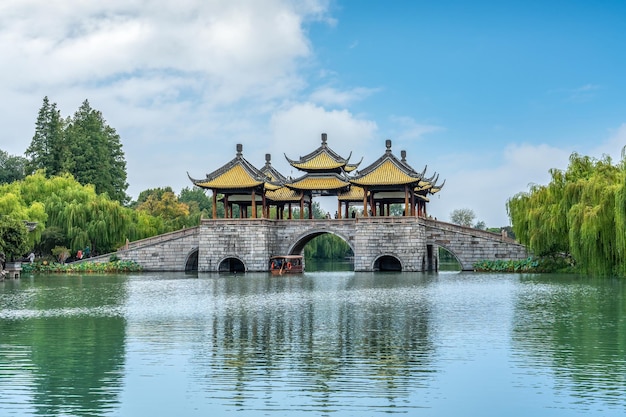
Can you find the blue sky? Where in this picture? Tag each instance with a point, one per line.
(488, 94)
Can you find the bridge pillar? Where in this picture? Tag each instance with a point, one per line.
(400, 237)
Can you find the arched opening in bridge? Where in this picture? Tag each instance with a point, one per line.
(324, 251)
(232, 265)
(191, 265)
(387, 263)
(447, 260)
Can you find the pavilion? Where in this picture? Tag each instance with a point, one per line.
(387, 181)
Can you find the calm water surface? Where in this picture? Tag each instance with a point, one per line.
(321, 344)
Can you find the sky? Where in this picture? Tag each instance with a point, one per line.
(489, 95)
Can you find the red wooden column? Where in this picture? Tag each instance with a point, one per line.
(365, 202)
(253, 204)
(214, 203)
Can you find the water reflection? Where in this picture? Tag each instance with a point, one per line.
(327, 340)
(576, 328)
(56, 356)
(325, 343)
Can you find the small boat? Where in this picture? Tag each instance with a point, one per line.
(286, 264)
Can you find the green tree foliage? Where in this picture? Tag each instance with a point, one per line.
(47, 149)
(581, 213)
(13, 238)
(84, 146)
(163, 203)
(462, 217)
(12, 168)
(327, 246)
(67, 213)
(95, 153)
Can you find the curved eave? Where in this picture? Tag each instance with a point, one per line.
(352, 167)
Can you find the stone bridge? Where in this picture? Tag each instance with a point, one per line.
(378, 243)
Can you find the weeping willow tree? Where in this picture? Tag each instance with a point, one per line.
(75, 214)
(327, 246)
(580, 213)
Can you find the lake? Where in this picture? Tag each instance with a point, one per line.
(321, 344)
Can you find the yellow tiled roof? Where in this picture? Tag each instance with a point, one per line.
(320, 162)
(283, 194)
(272, 187)
(386, 174)
(236, 177)
(318, 183)
(355, 193)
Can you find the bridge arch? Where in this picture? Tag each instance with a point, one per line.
(191, 261)
(436, 246)
(301, 241)
(387, 262)
(231, 263)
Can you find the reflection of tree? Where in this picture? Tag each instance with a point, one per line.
(579, 330)
(79, 377)
(74, 360)
(335, 345)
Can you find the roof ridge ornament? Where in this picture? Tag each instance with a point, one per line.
(239, 150)
(324, 139)
(388, 145)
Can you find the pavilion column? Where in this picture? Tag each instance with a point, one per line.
(265, 208)
(228, 210)
(407, 209)
(289, 206)
(413, 205)
(311, 209)
(364, 201)
(214, 203)
(253, 204)
(347, 209)
(372, 205)
(338, 209)
(302, 207)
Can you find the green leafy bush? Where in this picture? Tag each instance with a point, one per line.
(82, 267)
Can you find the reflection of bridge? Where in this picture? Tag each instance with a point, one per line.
(378, 243)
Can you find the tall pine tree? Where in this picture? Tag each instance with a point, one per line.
(47, 149)
(96, 153)
(84, 146)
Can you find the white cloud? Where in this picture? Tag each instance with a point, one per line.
(614, 146)
(173, 79)
(296, 130)
(474, 182)
(331, 96)
(407, 129)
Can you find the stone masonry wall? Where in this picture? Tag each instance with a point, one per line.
(400, 237)
(168, 252)
(253, 241)
(471, 245)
